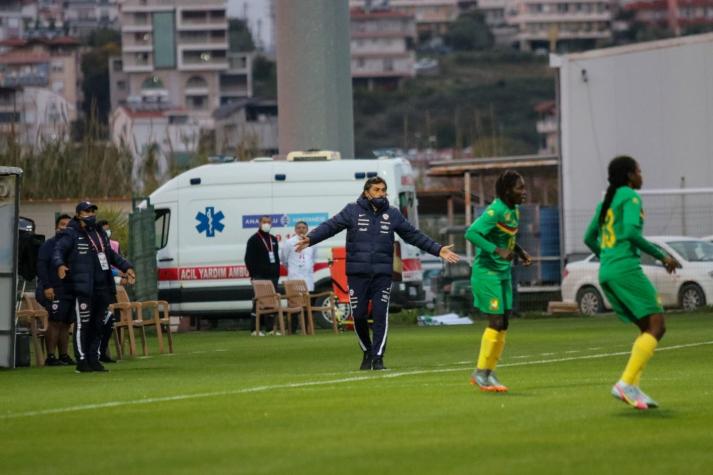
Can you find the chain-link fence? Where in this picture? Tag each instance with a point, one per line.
(142, 250)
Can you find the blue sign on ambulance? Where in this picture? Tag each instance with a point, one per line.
(285, 220)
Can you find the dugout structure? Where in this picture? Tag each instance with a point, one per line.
(10, 179)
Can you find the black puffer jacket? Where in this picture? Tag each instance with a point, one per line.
(47, 277)
(75, 250)
(370, 236)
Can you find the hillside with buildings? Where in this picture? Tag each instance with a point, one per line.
(171, 82)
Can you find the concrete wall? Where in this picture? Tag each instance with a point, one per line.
(314, 87)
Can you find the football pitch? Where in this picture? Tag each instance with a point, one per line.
(229, 403)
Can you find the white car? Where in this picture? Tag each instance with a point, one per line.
(690, 287)
(432, 266)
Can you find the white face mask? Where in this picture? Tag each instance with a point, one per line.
(108, 233)
(265, 227)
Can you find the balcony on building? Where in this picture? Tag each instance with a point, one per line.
(137, 42)
(135, 22)
(137, 62)
(240, 63)
(203, 38)
(234, 85)
(193, 18)
(197, 60)
(20, 69)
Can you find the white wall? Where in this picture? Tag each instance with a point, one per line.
(653, 101)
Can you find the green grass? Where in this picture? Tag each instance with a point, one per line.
(228, 403)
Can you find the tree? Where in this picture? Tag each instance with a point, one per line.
(469, 32)
(264, 77)
(239, 37)
(104, 43)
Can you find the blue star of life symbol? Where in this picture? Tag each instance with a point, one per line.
(210, 221)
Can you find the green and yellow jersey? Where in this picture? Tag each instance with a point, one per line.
(619, 240)
(495, 228)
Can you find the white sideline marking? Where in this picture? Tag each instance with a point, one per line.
(256, 389)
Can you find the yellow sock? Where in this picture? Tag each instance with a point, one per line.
(637, 378)
(487, 348)
(641, 353)
(498, 350)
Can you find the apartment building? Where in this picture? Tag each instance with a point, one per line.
(174, 51)
(382, 43)
(499, 15)
(11, 19)
(432, 17)
(34, 115)
(676, 15)
(562, 24)
(51, 63)
(246, 124)
(84, 16)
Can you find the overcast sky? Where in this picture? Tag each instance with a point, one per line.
(257, 13)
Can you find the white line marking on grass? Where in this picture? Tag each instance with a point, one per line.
(257, 389)
(572, 351)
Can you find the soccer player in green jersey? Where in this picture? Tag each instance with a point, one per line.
(615, 235)
(494, 235)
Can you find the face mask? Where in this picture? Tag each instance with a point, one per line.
(90, 221)
(379, 202)
(108, 233)
(265, 227)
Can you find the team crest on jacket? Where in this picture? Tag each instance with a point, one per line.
(385, 216)
(82, 306)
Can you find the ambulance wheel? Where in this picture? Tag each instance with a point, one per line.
(324, 319)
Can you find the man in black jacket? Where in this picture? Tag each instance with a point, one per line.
(51, 295)
(262, 258)
(83, 258)
(371, 224)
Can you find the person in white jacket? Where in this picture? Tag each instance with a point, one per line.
(300, 265)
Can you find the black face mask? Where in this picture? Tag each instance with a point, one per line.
(379, 202)
(90, 221)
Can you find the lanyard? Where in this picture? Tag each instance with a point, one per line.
(96, 248)
(269, 249)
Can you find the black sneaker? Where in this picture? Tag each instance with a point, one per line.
(83, 367)
(67, 360)
(52, 361)
(106, 359)
(378, 363)
(366, 361)
(98, 367)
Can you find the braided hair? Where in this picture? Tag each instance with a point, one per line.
(619, 169)
(506, 182)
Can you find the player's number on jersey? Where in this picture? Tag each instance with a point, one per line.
(608, 235)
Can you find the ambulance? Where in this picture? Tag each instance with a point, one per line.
(205, 216)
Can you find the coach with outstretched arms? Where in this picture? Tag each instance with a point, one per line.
(371, 223)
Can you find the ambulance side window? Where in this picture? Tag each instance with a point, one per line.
(163, 219)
